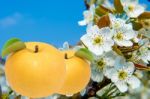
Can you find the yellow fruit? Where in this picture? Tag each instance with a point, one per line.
(77, 74)
(36, 71)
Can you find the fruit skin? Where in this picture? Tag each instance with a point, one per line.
(78, 74)
(38, 74)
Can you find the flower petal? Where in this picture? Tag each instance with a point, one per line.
(97, 76)
(66, 45)
(108, 45)
(119, 62)
(129, 33)
(106, 32)
(93, 30)
(129, 68)
(108, 72)
(86, 40)
(92, 8)
(125, 43)
(114, 76)
(110, 58)
(122, 86)
(96, 50)
(82, 23)
(134, 82)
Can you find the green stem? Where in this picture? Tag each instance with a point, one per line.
(112, 92)
(109, 90)
(117, 95)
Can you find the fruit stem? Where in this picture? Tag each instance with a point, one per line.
(36, 49)
(66, 56)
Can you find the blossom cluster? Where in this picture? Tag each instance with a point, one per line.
(118, 36)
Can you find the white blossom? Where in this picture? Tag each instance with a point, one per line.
(144, 52)
(132, 8)
(98, 40)
(101, 65)
(123, 33)
(116, 23)
(122, 75)
(88, 16)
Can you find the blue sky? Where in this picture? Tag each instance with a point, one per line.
(51, 21)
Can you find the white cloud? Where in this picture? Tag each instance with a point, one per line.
(10, 20)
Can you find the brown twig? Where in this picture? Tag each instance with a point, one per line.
(0, 92)
(86, 4)
(93, 87)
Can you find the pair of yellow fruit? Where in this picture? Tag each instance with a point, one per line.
(41, 70)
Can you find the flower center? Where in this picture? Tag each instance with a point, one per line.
(122, 75)
(101, 64)
(98, 40)
(144, 50)
(116, 25)
(119, 36)
(131, 8)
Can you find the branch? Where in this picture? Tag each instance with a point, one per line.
(0, 92)
(86, 4)
(93, 87)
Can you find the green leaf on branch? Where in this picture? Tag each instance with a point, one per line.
(85, 54)
(118, 6)
(12, 45)
(101, 10)
(144, 15)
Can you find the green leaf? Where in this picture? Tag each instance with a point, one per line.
(11, 41)
(85, 54)
(118, 6)
(144, 15)
(12, 45)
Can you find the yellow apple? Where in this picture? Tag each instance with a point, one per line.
(77, 74)
(36, 71)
